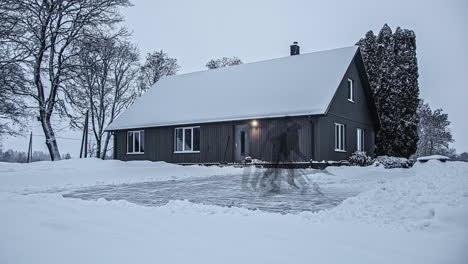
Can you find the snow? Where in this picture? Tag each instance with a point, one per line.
(290, 86)
(393, 162)
(433, 157)
(416, 215)
(74, 173)
(416, 202)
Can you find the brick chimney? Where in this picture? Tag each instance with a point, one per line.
(295, 49)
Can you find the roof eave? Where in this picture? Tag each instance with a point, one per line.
(107, 129)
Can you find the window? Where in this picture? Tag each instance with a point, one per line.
(187, 139)
(350, 90)
(360, 139)
(340, 137)
(136, 142)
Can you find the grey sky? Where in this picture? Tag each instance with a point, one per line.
(196, 31)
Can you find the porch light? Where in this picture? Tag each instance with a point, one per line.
(254, 123)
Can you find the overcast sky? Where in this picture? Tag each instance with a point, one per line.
(196, 31)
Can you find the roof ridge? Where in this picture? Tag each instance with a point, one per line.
(292, 85)
(253, 62)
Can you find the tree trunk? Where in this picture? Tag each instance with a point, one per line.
(98, 146)
(106, 144)
(51, 142)
(431, 148)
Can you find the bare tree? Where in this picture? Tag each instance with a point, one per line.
(104, 84)
(223, 62)
(12, 108)
(123, 76)
(49, 28)
(434, 133)
(157, 65)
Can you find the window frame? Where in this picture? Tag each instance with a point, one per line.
(351, 90)
(340, 137)
(139, 132)
(361, 140)
(183, 139)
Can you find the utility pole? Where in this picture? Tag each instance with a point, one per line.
(84, 139)
(29, 159)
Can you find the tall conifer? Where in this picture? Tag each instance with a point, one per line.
(406, 86)
(391, 65)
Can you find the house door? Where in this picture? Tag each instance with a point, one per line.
(242, 142)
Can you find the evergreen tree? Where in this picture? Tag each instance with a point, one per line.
(383, 94)
(406, 86)
(391, 65)
(368, 47)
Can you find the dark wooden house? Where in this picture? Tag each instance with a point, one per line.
(321, 100)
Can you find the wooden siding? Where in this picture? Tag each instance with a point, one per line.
(217, 141)
(261, 137)
(326, 144)
(353, 115)
(159, 145)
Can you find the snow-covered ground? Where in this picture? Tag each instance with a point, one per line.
(68, 174)
(417, 215)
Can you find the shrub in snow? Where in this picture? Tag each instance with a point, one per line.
(393, 162)
(360, 158)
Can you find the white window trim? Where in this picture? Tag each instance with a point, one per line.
(342, 144)
(360, 133)
(183, 140)
(139, 136)
(351, 88)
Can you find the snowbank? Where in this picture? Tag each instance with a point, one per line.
(433, 157)
(74, 173)
(424, 200)
(46, 228)
(393, 162)
(416, 215)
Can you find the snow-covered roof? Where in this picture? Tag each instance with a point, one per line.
(290, 86)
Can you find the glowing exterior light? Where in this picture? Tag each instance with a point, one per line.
(254, 123)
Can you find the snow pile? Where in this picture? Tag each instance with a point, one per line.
(393, 162)
(433, 157)
(436, 195)
(75, 173)
(357, 179)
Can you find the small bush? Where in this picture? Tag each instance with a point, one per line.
(360, 158)
(393, 162)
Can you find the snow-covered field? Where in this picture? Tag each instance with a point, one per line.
(417, 215)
